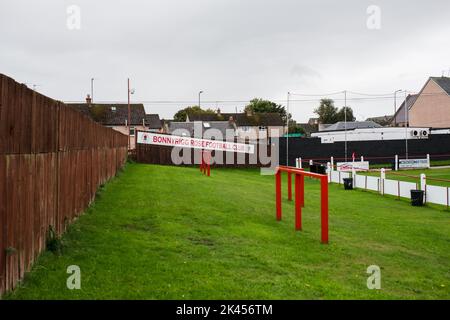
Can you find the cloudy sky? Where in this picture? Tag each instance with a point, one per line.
(233, 50)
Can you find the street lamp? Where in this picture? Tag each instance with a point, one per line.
(345, 123)
(130, 92)
(199, 93)
(92, 89)
(395, 106)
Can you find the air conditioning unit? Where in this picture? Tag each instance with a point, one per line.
(415, 133)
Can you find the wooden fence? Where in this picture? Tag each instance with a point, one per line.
(52, 160)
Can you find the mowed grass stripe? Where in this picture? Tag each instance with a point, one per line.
(159, 232)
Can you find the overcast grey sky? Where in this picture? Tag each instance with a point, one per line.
(232, 50)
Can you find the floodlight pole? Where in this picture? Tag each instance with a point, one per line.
(129, 116)
(395, 106)
(406, 124)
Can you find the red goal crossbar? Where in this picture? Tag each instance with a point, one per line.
(205, 166)
(299, 175)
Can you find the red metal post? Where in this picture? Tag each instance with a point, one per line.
(209, 164)
(289, 186)
(324, 208)
(278, 193)
(302, 190)
(298, 204)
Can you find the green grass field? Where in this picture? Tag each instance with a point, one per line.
(170, 233)
(414, 176)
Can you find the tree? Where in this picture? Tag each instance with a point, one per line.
(181, 115)
(341, 114)
(326, 111)
(258, 105)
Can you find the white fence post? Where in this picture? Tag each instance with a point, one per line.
(329, 172)
(332, 163)
(396, 163)
(423, 186)
(362, 158)
(310, 162)
(382, 177)
(300, 163)
(428, 160)
(296, 162)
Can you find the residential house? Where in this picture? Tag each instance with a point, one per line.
(351, 125)
(247, 125)
(432, 106)
(400, 117)
(310, 127)
(219, 130)
(115, 116)
(381, 120)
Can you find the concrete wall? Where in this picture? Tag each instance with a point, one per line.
(432, 108)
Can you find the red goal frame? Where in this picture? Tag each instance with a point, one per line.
(300, 175)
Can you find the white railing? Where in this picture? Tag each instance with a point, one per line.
(401, 189)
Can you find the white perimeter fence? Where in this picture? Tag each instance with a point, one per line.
(401, 189)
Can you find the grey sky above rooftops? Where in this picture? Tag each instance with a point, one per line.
(233, 50)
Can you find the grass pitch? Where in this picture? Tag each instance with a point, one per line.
(160, 232)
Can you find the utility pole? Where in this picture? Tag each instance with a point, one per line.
(345, 123)
(395, 106)
(129, 116)
(287, 128)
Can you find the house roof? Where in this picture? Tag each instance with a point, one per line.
(112, 114)
(309, 128)
(242, 119)
(188, 126)
(152, 121)
(341, 125)
(381, 120)
(221, 126)
(399, 116)
(443, 82)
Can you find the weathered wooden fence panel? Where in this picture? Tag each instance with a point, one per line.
(52, 160)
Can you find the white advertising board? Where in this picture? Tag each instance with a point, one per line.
(357, 165)
(413, 163)
(195, 143)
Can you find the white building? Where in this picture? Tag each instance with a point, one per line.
(371, 134)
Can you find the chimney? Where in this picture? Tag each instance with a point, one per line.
(230, 119)
(88, 99)
(218, 112)
(249, 112)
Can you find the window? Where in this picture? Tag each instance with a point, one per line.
(206, 125)
(245, 128)
(113, 109)
(132, 131)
